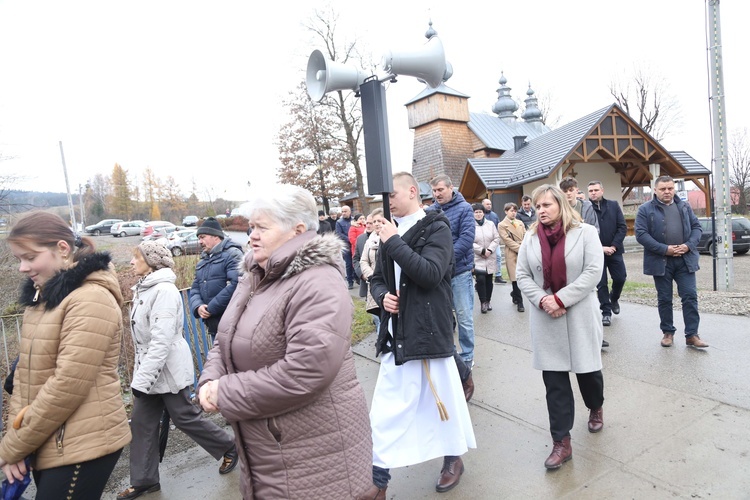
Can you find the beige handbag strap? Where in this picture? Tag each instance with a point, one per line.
(441, 407)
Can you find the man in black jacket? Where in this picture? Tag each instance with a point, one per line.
(612, 231)
(527, 214)
(412, 286)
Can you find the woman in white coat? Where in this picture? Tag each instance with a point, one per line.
(486, 241)
(163, 373)
(559, 265)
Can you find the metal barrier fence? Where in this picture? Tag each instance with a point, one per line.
(194, 332)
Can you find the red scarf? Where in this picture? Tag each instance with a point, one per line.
(552, 240)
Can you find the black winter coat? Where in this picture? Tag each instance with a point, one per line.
(423, 329)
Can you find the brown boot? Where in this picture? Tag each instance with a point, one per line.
(596, 420)
(695, 341)
(374, 493)
(561, 453)
(666, 341)
(453, 467)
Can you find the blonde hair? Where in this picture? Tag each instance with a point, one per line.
(568, 216)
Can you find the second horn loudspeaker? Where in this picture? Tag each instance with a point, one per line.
(426, 63)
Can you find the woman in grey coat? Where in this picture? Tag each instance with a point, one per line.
(559, 265)
(163, 373)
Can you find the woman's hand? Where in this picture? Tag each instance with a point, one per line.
(551, 307)
(14, 471)
(209, 396)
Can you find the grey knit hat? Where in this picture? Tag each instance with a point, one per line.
(210, 226)
(156, 255)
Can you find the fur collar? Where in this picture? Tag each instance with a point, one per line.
(64, 282)
(298, 254)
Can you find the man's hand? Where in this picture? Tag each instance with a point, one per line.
(390, 301)
(677, 250)
(203, 312)
(609, 250)
(388, 229)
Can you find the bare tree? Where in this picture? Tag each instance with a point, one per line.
(739, 167)
(310, 153)
(344, 103)
(645, 96)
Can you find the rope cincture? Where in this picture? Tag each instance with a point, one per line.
(442, 410)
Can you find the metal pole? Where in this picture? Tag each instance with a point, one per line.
(80, 201)
(67, 188)
(720, 162)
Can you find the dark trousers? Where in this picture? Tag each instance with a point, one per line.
(144, 424)
(349, 267)
(676, 270)
(516, 293)
(484, 286)
(560, 401)
(84, 481)
(616, 266)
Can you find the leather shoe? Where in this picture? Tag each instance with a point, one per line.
(561, 453)
(499, 279)
(615, 307)
(484, 307)
(605, 343)
(468, 386)
(515, 300)
(667, 341)
(229, 462)
(450, 475)
(136, 491)
(596, 420)
(374, 493)
(489, 305)
(695, 341)
(606, 320)
(520, 307)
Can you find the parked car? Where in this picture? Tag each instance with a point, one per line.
(103, 226)
(162, 234)
(190, 220)
(127, 228)
(155, 224)
(188, 245)
(740, 236)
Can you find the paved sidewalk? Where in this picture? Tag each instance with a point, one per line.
(676, 419)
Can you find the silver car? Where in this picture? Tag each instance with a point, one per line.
(127, 228)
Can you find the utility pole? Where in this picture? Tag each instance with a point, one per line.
(80, 201)
(67, 188)
(723, 227)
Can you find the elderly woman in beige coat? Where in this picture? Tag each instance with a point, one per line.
(512, 232)
(559, 265)
(282, 370)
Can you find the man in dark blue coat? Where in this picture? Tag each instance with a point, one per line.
(461, 218)
(342, 231)
(669, 232)
(612, 232)
(216, 275)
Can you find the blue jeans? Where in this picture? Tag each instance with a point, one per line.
(676, 270)
(463, 303)
(376, 322)
(349, 267)
(499, 254)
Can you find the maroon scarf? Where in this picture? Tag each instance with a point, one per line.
(552, 240)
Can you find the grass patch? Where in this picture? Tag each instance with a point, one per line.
(362, 325)
(634, 286)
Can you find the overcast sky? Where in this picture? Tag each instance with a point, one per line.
(194, 89)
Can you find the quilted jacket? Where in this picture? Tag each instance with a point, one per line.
(163, 363)
(461, 217)
(67, 369)
(215, 277)
(287, 382)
